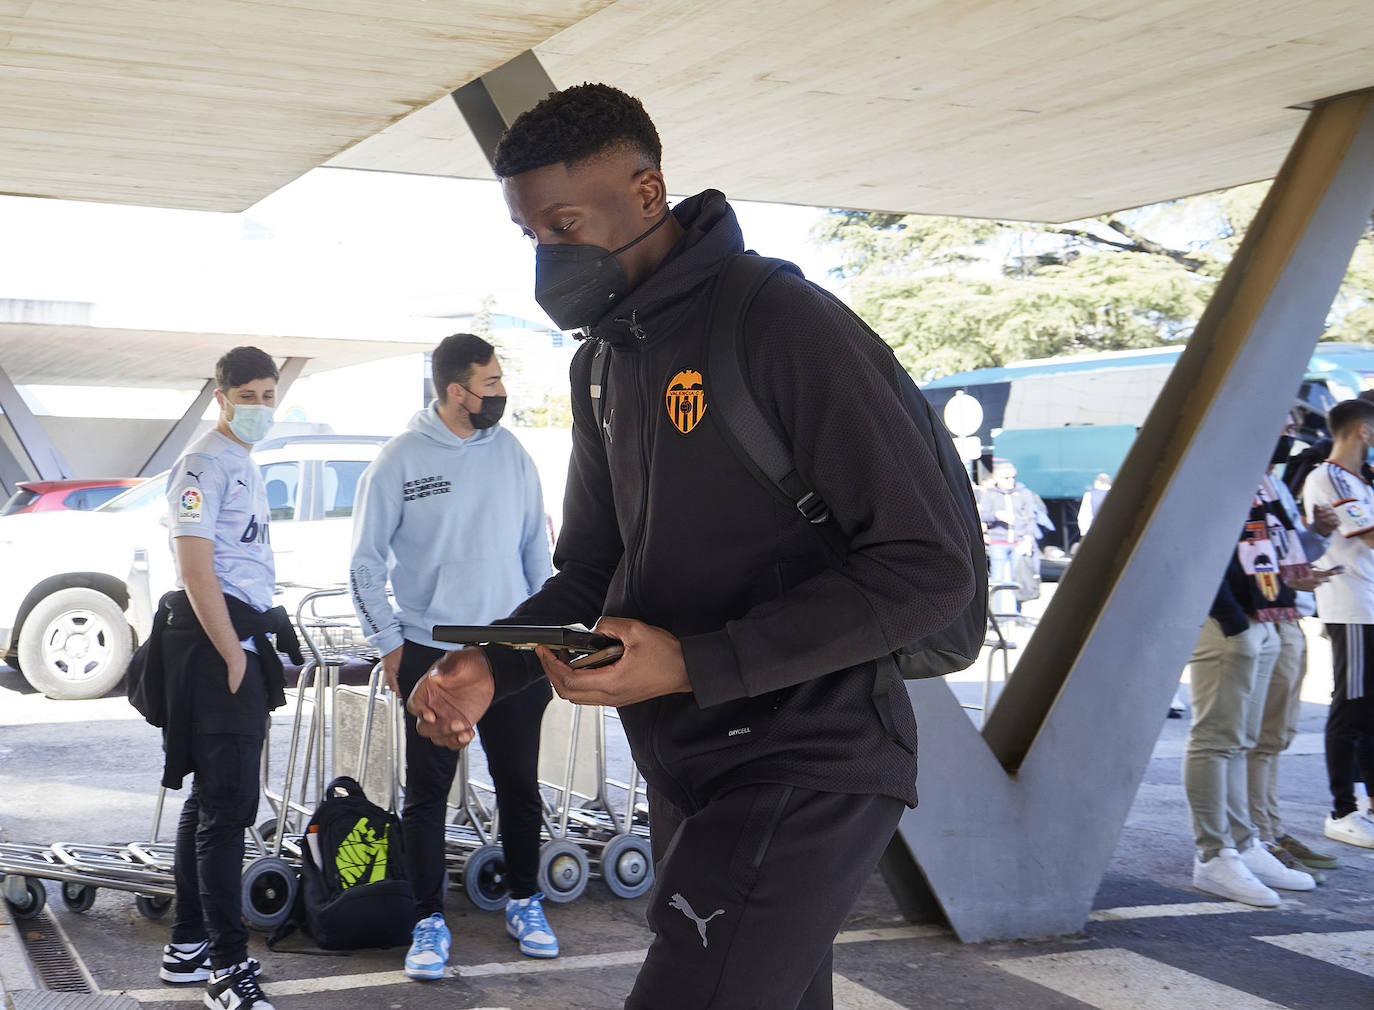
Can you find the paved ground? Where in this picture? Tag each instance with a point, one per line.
(87, 771)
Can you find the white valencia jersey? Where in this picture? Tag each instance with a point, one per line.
(1346, 598)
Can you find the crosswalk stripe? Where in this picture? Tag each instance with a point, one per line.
(529, 966)
(1116, 979)
(852, 996)
(1353, 950)
(1170, 911)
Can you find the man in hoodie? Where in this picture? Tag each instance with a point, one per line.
(755, 686)
(452, 515)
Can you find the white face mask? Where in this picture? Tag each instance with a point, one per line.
(251, 421)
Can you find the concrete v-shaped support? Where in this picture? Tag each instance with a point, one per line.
(1016, 825)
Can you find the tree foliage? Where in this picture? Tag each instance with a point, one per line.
(955, 293)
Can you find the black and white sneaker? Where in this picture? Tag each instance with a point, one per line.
(236, 988)
(190, 962)
(185, 962)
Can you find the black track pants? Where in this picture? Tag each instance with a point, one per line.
(750, 894)
(1350, 720)
(208, 865)
(510, 739)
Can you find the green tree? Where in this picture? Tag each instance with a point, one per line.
(954, 293)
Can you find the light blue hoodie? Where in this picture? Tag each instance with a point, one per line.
(457, 526)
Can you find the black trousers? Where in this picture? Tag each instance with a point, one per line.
(750, 893)
(1350, 720)
(510, 738)
(208, 861)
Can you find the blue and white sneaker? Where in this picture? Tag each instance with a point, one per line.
(429, 949)
(525, 921)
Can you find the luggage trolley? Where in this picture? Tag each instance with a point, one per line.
(588, 819)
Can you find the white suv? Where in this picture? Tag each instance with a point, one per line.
(78, 589)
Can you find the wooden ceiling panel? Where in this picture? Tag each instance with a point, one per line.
(993, 108)
(213, 104)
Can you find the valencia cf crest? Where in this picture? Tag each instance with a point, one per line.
(686, 400)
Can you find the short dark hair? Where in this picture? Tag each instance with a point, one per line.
(241, 365)
(453, 359)
(575, 125)
(1344, 416)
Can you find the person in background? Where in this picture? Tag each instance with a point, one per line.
(1010, 513)
(1283, 699)
(451, 514)
(1346, 605)
(1230, 670)
(1092, 502)
(222, 678)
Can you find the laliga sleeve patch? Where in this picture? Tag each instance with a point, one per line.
(190, 507)
(1357, 513)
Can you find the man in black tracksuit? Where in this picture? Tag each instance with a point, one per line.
(751, 687)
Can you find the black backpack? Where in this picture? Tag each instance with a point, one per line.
(353, 890)
(765, 453)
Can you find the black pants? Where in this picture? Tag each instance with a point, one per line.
(749, 896)
(208, 866)
(1350, 720)
(510, 739)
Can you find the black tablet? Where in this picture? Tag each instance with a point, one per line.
(573, 637)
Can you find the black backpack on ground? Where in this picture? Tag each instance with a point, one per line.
(353, 889)
(765, 453)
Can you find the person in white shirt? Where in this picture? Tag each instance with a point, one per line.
(1346, 605)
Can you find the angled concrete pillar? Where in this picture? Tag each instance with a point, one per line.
(34, 443)
(1017, 824)
(179, 435)
(288, 373)
(493, 101)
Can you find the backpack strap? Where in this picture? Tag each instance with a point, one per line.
(756, 441)
(601, 368)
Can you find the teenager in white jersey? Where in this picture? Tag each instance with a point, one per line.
(220, 683)
(1346, 604)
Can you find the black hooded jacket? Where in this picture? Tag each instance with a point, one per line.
(780, 638)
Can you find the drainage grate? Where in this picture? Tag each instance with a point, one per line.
(53, 964)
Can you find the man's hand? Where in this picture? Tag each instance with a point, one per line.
(451, 697)
(651, 666)
(1324, 520)
(391, 668)
(237, 665)
(1308, 584)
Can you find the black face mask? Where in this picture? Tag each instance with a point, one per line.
(490, 414)
(1282, 451)
(577, 284)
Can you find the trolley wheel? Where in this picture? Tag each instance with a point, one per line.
(563, 870)
(268, 829)
(627, 866)
(269, 891)
(151, 906)
(35, 897)
(78, 897)
(484, 878)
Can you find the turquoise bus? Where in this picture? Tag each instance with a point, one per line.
(1064, 420)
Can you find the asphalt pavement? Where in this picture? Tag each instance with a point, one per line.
(87, 772)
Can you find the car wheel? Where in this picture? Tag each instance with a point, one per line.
(75, 644)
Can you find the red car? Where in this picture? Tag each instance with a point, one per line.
(55, 495)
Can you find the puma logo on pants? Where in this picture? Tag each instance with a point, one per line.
(680, 903)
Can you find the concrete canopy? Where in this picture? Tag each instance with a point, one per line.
(39, 354)
(997, 109)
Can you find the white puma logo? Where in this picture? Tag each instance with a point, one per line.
(680, 903)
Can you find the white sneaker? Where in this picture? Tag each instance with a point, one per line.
(1226, 876)
(1269, 871)
(1353, 829)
